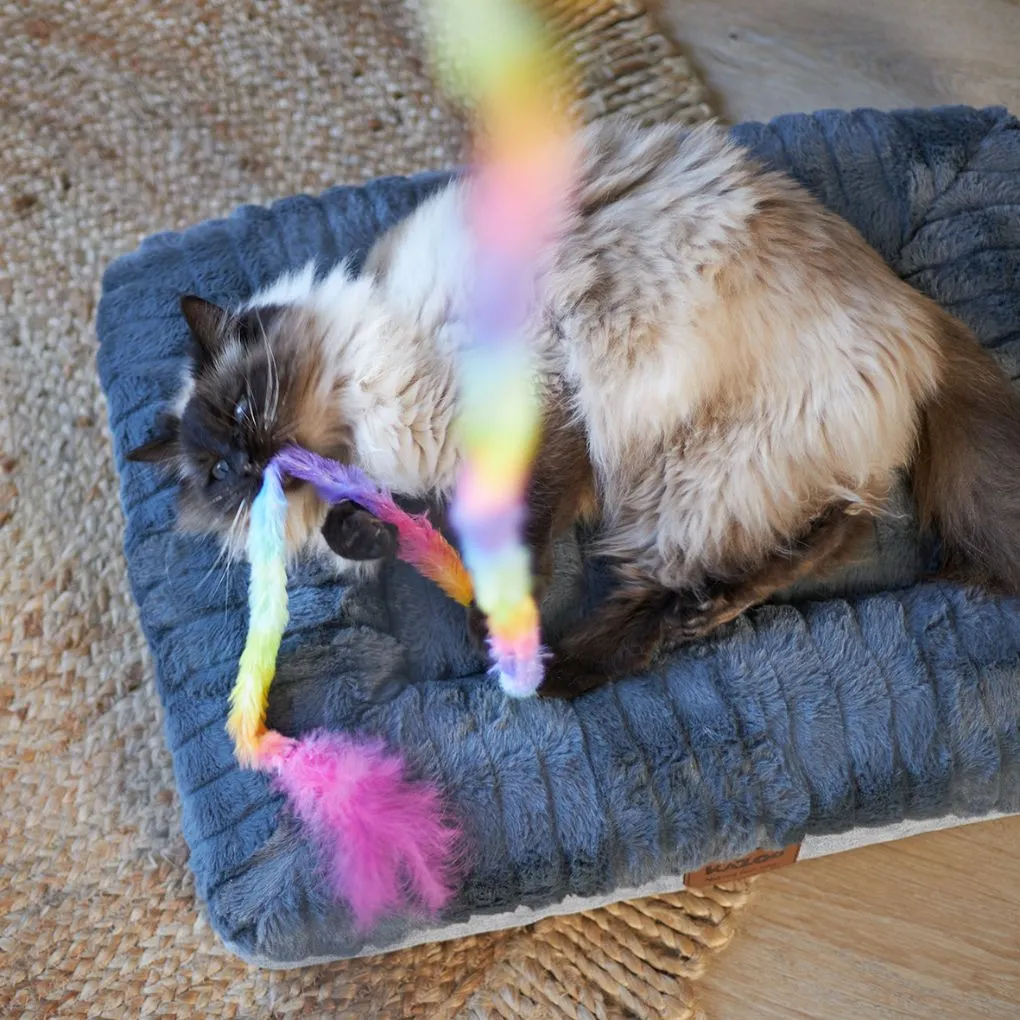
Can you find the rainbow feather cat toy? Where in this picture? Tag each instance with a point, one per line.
(382, 839)
(386, 839)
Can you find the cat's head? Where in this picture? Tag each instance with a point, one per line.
(256, 382)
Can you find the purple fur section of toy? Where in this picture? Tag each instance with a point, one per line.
(333, 481)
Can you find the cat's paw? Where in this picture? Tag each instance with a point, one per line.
(568, 678)
(355, 534)
(478, 628)
(695, 618)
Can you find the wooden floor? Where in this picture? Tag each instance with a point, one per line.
(764, 57)
(927, 927)
(930, 926)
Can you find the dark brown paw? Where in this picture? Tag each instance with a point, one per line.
(693, 619)
(355, 534)
(565, 679)
(478, 628)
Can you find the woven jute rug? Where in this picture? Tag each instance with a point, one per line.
(120, 119)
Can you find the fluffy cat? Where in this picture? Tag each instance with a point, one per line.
(732, 379)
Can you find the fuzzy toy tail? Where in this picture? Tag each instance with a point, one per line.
(500, 564)
(267, 620)
(383, 839)
(520, 674)
(516, 649)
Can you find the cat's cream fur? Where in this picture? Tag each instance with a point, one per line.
(739, 360)
(739, 357)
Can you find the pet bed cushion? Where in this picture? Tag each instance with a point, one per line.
(869, 702)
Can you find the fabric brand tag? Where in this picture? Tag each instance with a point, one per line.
(754, 863)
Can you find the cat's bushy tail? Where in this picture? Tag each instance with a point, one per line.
(967, 473)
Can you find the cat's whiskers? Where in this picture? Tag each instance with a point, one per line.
(233, 542)
(226, 556)
(220, 561)
(272, 402)
(249, 410)
(233, 533)
(250, 400)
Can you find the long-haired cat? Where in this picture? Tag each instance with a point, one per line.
(732, 379)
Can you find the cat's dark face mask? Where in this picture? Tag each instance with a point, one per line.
(248, 396)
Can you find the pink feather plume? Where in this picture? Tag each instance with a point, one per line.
(383, 839)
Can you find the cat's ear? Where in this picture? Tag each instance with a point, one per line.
(209, 325)
(163, 447)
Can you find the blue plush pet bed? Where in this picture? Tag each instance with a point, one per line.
(873, 701)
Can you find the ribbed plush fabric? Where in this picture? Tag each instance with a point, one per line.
(864, 702)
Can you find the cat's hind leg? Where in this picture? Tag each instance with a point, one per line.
(832, 540)
(619, 638)
(623, 634)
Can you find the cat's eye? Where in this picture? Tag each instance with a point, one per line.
(241, 410)
(220, 471)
